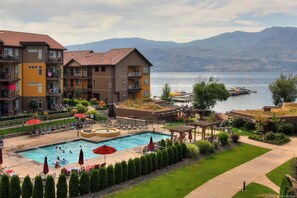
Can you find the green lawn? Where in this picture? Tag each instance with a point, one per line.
(277, 175)
(26, 128)
(173, 124)
(256, 190)
(242, 132)
(179, 183)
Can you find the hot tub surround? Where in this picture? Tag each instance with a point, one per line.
(100, 132)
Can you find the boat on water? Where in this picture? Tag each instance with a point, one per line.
(237, 91)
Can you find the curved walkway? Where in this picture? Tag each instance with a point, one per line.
(230, 182)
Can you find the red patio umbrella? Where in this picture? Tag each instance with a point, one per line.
(190, 136)
(104, 150)
(1, 157)
(81, 157)
(151, 145)
(79, 115)
(45, 166)
(33, 122)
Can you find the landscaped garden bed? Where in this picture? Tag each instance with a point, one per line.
(271, 138)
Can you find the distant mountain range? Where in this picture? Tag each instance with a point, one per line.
(272, 49)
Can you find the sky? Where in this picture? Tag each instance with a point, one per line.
(82, 21)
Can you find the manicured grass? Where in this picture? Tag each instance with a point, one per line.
(277, 175)
(179, 183)
(26, 128)
(242, 132)
(173, 124)
(256, 190)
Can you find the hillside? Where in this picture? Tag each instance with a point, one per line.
(272, 49)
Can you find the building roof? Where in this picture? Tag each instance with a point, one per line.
(88, 57)
(10, 38)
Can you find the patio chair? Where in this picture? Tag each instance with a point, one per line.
(102, 165)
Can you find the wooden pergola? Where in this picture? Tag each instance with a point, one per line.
(182, 129)
(204, 124)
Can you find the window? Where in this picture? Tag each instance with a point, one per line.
(40, 71)
(145, 82)
(145, 94)
(17, 69)
(145, 70)
(16, 53)
(77, 70)
(39, 87)
(32, 50)
(96, 69)
(103, 68)
(124, 82)
(94, 82)
(8, 51)
(78, 82)
(39, 55)
(40, 102)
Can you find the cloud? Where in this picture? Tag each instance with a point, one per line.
(80, 21)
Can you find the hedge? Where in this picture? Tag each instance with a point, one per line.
(15, 187)
(103, 178)
(27, 187)
(62, 187)
(84, 183)
(175, 154)
(180, 152)
(118, 171)
(170, 155)
(154, 162)
(73, 185)
(143, 165)
(165, 157)
(49, 187)
(160, 160)
(125, 170)
(4, 186)
(138, 168)
(184, 150)
(131, 169)
(149, 163)
(111, 175)
(94, 181)
(38, 188)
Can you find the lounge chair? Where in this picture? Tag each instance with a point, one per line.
(102, 165)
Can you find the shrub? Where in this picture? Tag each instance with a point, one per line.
(160, 160)
(118, 171)
(15, 187)
(286, 188)
(143, 165)
(111, 175)
(38, 188)
(286, 128)
(149, 163)
(163, 144)
(180, 152)
(168, 143)
(49, 187)
(27, 187)
(93, 101)
(94, 181)
(73, 185)
(62, 187)
(238, 122)
(223, 138)
(192, 150)
(137, 163)
(204, 146)
(4, 186)
(270, 136)
(85, 103)
(175, 154)
(165, 157)
(125, 170)
(103, 178)
(154, 162)
(66, 101)
(170, 155)
(81, 108)
(249, 126)
(131, 169)
(234, 137)
(184, 150)
(84, 183)
(75, 102)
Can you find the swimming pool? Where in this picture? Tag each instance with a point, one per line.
(70, 150)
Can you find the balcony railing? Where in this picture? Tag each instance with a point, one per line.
(134, 74)
(4, 76)
(54, 59)
(54, 92)
(52, 75)
(134, 88)
(78, 76)
(6, 93)
(9, 58)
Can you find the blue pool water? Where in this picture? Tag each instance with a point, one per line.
(52, 151)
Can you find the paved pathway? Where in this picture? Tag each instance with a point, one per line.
(230, 182)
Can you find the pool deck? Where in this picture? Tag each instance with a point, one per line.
(24, 166)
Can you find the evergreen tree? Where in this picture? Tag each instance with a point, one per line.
(38, 188)
(103, 178)
(73, 185)
(143, 165)
(15, 187)
(62, 187)
(131, 169)
(95, 181)
(118, 171)
(49, 187)
(137, 163)
(27, 187)
(166, 93)
(149, 163)
(111, 175)
(84, 183)
(165, 157)
(4, 186)
(160, 159)
(170, 155)
(125, 170)
(154, 162)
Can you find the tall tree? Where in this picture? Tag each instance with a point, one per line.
(284, 89)
(166, 92)
(207, 94)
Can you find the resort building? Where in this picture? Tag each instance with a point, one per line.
(30, 72)
(113, 76)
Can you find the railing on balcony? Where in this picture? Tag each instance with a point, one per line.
(5, 76)
(134, 88)
(6, 93)
(4, 57)
(51, 59)
(53, 75)
(53, 91)
(134, 74)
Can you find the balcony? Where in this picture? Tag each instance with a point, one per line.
(78, 76)
(134, 74)
(134, 88)
(7, 77)
(51, 59)
(87, 88)
(9, 58)
(7, 94)
(54, 92)
(53, 76)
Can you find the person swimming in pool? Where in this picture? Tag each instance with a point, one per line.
(70, 151)
(58, 158)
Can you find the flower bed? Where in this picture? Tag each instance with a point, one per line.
(271, 138)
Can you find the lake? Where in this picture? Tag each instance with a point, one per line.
(256, 81)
